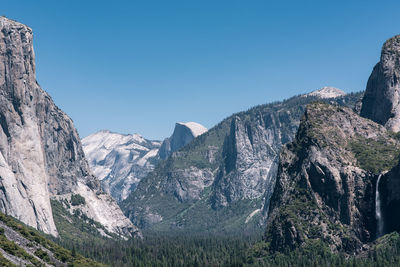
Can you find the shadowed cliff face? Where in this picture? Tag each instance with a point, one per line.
(390, 192)
(381, 101)
(41, 156)
(325, 187)
(183, 134)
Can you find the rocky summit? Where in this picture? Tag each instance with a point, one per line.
(381, 101)
(183, 134)
(41, 156)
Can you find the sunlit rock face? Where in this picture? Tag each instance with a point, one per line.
(326, 182)
(381, 101)
(183, 134)
(120, 161)
(41, 156)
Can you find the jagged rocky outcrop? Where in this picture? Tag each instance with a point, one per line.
(325, 187)
(381, 101)
(221, 180)
(120, 161)
(41, 157)
(183, 134)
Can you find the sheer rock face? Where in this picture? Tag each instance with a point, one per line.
(250, 158)
(40, 151)
(183, 134)
(381, 101)
(389, 189)
(120, 161)
(322, 191)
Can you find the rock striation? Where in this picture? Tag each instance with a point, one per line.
(325, 187)
(41, 156)
(183, 134)
(381, 101)
(120, 161)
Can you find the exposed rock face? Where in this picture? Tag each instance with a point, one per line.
(40, 151)
(381, 101)
(325, 187)
(183, 134)
(225, 175)
(390, 192)
(327, 92)
(120, 161)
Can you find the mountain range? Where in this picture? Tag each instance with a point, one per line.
(316, 173)
(120, 161)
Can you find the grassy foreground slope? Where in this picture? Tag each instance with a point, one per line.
(21, 245)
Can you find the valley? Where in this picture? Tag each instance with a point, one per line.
(313, 180)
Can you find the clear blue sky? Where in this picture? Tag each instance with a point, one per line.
(141, 66)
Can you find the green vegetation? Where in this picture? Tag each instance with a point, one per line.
(77, 200)
(375, 155)
(385, 252)
(77, 226)
(43, 255)
(37, 238)
(5, 262)
(218, 250)
(12, 248)
(168, 250)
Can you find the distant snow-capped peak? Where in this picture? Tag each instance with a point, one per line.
(327, 92)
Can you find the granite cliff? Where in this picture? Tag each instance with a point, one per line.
(326, 181)
(41, 156)
(381, 101)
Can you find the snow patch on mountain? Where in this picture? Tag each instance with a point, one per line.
(327, 92)
(120, 161)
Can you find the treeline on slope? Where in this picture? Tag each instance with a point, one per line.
(384, 252)
(78, 234)
(189, 249)
(165, 250)
(202, 250)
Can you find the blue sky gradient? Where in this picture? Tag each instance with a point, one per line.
(141, 66)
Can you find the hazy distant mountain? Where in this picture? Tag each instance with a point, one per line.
(327, 92)
(121, 161)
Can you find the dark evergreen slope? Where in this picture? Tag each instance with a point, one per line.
(222, 179)
(325, 189)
